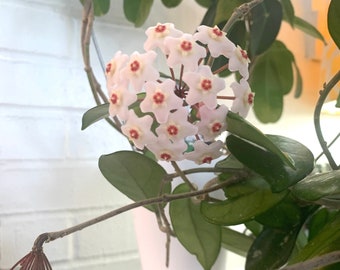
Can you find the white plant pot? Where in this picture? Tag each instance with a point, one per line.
(151, 242)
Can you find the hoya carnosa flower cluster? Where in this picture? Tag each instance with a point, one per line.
(177, 116)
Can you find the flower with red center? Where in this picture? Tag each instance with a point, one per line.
(184, 51)
(213, 122)
(216, 40)
(156, 35)
(166, 150)
(120, 98)
(140, 69)
(160, 99)
(244, 97)
(112, 71)
(239, 61)
(177, 127)
(203, 86)
(138, 129)
(204, 153)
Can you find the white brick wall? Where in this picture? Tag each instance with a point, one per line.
(49, 179)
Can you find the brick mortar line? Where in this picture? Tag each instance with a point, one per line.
(61, 212)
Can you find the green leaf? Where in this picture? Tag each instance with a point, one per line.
(100, 7)
(244, 129)
(209, 16)
(229, 162)
(318, 186)
(318, 221)
(171, 3)
(333, 21)
(198, 236)
(95, 114)
(271, 249)
(254, 227)
(274, 171)
(265, 25)
(137, 11)
(288, 12)
(247, 200)
(337, 104)
(272, 77)
(225, 8)
(286, 214)
(236, 242)
(308, 28)
(327, 240)
(133, 174)
(298, 83)
(205, 3)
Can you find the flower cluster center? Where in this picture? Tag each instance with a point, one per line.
(172, 130)
(158, 98)
(206, 84)
(134, 66)
(186, 45)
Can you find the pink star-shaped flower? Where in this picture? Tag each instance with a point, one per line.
(157, 34)
(160, 99)
(138, 130)
(239, 61)
(177, 127)
(213, 122)
(140, 69)
(244, 97)
(120, 98)
(113, 68)
(216, 40)
(166, 150)
(204, 153)
(203, 86)
(184, 51)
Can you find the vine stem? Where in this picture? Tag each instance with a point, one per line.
(237, 15)
(317, 262)
(164, 198)
(317, 112)
(86, 33)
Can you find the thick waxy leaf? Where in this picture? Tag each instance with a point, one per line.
(244, 129)
(333, 21)
(171, 3)
(318, 221)
(271, 249)
(95, 114)
(225, 8)
(272, 77)
(198, 236)
(265, 25)
(133, 174)
(209, 16)
(229, 162)
(236, 242)
(308, 28)
(205, 3)
(245, 201)
(100, 7)
(315, 187)
(298, 83)
(137, 11)
(288, 12)
(327, 240)
(286, 214)
(265, 163)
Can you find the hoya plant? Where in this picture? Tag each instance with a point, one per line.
(187, 111)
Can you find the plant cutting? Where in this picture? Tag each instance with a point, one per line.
(185, 110)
